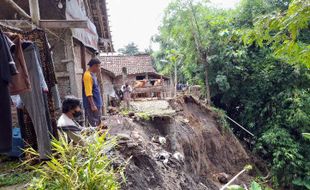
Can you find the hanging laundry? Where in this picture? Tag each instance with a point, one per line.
(20, 82)
(27, 132)
(39, 37)
(7, 69)
(34, 100)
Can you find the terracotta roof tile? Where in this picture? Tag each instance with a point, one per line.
(135, 64)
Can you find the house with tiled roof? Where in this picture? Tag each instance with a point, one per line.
(116, 69)
(135, 67)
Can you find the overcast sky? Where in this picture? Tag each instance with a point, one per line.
(137, 20)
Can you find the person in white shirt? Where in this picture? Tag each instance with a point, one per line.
(126, 89)
(67, 126)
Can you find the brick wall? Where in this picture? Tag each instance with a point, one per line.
(118, 81)
(64, 86)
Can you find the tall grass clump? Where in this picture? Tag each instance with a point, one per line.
(73, 167)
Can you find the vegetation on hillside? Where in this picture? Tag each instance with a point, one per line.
(256, 59)
(79, 167)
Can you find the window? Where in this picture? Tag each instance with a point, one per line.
(140, 77)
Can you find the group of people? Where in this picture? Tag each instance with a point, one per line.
(92, 103)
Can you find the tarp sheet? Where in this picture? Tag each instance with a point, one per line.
(75, 10)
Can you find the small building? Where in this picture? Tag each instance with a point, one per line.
(115, 70)
(136, 67)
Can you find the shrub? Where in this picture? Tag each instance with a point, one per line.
(73, 167)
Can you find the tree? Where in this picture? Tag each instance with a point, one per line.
(130, 49)
(185, 32)
(287, 32)
(264, 92)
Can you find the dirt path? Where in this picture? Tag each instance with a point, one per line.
(153, 107)
(14, 187)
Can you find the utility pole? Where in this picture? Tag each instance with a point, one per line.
(34, 11)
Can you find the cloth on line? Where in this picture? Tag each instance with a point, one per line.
(38, 36)
(20, 82)
(17, 101)
(34, 101)
(7, 69)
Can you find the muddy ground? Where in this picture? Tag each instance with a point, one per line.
(195, 153)
(180, 145)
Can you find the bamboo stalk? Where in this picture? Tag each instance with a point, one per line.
(233, 179)
(245, 169)
(240, 126)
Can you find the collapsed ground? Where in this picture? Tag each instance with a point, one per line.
(174, 144)
(195, 153)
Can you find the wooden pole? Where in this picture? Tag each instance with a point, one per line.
(34, 11)
(240, 126)
(233, 179)
(175, 79)
(17, 8)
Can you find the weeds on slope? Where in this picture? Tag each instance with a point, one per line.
(73, 167)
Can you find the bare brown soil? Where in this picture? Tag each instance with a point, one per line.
(204, 150)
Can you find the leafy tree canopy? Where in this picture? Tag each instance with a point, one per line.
(258, 66)
(130, 49)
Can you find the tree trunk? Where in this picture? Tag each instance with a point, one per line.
(201, 50)
(208, 94)
(175, 79)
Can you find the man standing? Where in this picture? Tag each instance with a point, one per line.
(92, 99)
(126, 89)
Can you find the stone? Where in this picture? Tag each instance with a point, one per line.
(178, 156)
(222, 178)
(131, 114)
(162, 140)
(122, 136)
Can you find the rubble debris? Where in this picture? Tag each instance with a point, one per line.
(195, 148)
(178, 156)
(113, 110)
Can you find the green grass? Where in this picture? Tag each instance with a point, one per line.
(11, 173)
(221, 117)
(144, 116)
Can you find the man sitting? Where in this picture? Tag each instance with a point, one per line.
(71, 109)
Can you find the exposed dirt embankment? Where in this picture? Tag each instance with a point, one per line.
(195, 153)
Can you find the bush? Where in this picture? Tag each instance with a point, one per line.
(221, 117)
(74, 167)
